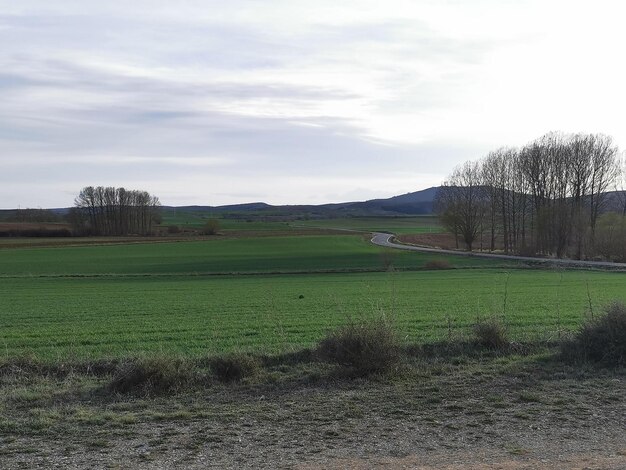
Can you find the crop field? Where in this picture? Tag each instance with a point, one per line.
(118, 352)
(219, 255)
(199, 220)
(397, 225)
(170, 297)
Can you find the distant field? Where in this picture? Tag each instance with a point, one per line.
(219, 255)
(397, 225)
(90, 317)
(198, 220)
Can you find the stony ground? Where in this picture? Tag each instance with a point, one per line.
(505, 412)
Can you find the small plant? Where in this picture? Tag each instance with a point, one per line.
(211, 227)
(150, 376)
(365, 347)
(235, 367)
(438, 264)
(601, 339)
(491, 334)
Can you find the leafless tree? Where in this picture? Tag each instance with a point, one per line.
(462, 202)
(545, 198)
(620, 184)
(111, 211)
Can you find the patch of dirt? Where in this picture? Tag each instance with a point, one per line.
(479, 461)
(445, 241)
(485, 413)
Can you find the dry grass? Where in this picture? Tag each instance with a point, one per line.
(151, 376)
(491, 334)
(601, 340)
(363, 347)
(235, 367)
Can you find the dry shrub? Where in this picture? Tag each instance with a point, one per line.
(211, 227)
(491, 334)
(601, 340)
(365, 347)
(235, 367)
(151, 376)
(438, 264)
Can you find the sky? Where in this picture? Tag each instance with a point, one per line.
(288, 101)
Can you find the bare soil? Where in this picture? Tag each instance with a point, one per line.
(445, 241)
(505, 412)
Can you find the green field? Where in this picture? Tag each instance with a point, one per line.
(52, 317)
(130, 299)
(219, 255)
(397, 225)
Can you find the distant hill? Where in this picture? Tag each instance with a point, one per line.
(416, 203)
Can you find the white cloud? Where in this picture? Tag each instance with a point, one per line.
(333, 95)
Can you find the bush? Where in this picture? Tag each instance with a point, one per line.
(151, 376)
(235, 367)
(211, 227)
(438, 264)
(491, 334)
(366, 347)
(173, 229)
(601, 340)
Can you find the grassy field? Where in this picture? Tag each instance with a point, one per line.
(76, 320)
(116, 300)
(397, 225)
(219, 255)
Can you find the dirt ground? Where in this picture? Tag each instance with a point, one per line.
(444, 241)
(497, 413)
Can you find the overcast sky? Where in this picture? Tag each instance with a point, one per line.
(288, 101)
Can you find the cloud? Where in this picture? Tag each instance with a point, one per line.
(195, 98)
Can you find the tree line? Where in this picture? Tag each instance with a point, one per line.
(114, 211)
(544, 198)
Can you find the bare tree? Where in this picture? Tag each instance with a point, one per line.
(620, 183)
(111, 211)
(605, 169)
(462, 202)
(545, 198)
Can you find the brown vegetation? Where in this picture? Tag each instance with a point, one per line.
(601, 340)
(364, 347)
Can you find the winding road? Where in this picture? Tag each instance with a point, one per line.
(385, 240)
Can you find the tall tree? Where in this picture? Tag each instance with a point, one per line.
(462, 202)
(545, 198)
(116, 211)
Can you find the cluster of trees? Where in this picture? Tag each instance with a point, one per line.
(114, 211)
(545, 198)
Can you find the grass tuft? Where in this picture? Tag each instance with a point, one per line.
(235, 367)
(365, 347)
(151, 376)
(491, 334)
(601, 340)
